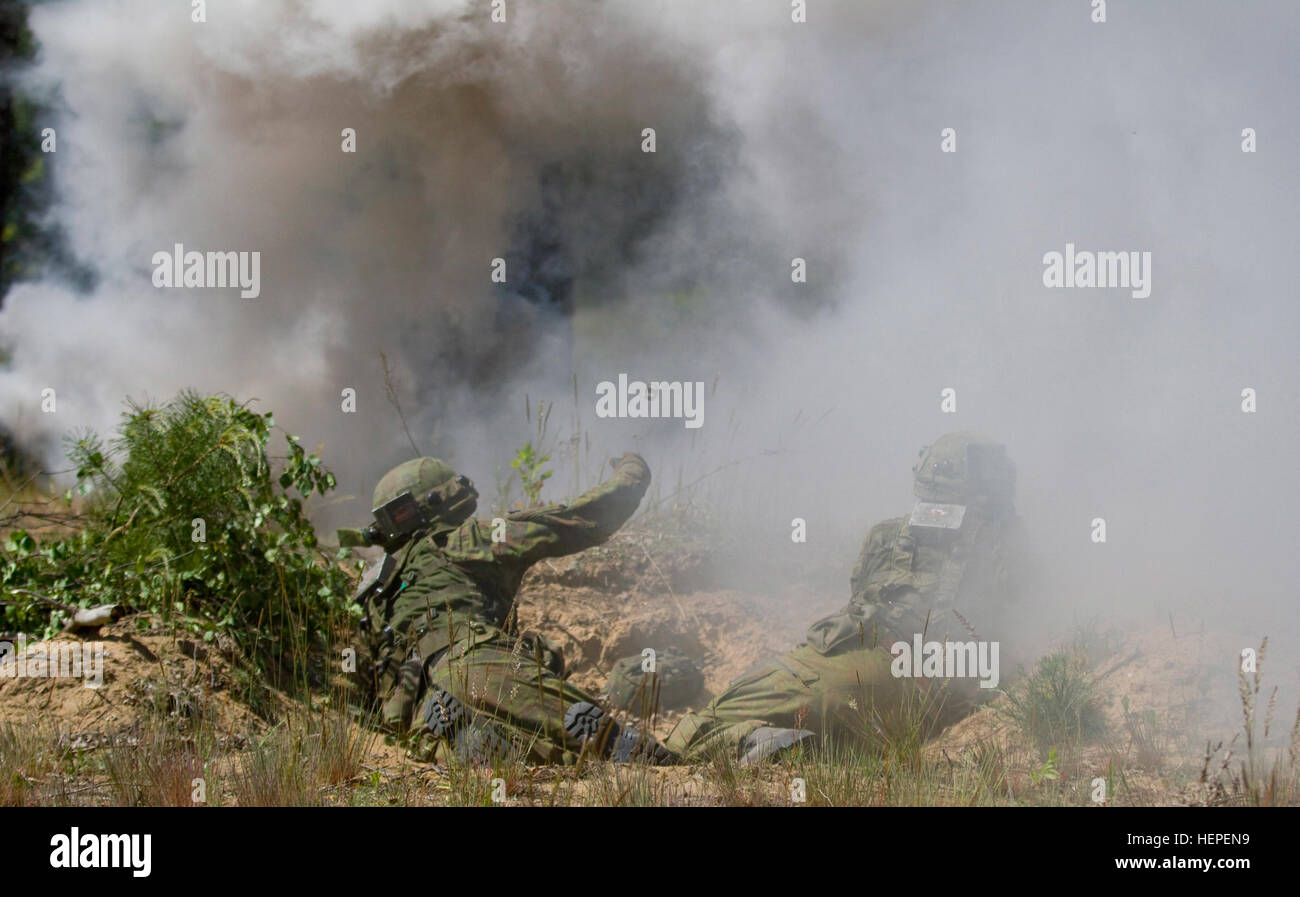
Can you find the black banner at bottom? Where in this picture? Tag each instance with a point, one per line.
(338, 848)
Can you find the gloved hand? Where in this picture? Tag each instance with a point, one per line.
(633, 466)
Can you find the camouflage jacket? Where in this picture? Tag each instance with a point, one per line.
(447, 586)
(907, 582)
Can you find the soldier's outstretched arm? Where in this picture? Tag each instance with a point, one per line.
(874, 553)
(588, 520)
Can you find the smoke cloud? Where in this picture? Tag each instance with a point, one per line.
(774, 141)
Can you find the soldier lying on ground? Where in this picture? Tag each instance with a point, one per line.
(944, 574)
(447, 667)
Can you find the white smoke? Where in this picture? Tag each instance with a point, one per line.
(775, 140)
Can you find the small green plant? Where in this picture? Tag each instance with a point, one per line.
(1145, 735)
(528, 462)
(1048, 772)
(1058, 702)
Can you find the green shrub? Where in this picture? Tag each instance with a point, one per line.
(180, 517)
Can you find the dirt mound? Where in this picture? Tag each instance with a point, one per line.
(725, 632)
(617, 600)
(141, 675)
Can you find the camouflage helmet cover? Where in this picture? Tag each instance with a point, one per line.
(679, 680)
(449, 499)
(961, 468)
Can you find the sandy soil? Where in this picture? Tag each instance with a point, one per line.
(1166, 694)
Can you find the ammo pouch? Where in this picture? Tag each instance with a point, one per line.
(851, 627)
(399, 677)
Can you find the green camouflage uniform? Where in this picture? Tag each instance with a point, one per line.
(911, 578)
(441, 621)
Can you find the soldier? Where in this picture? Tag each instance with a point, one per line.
(941, 572)
(448, 668)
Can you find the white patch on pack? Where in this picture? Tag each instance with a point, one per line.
(937, 516)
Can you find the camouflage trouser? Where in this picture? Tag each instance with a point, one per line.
(512, 686)
(846, 697)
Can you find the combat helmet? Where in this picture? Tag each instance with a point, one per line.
(446, 498)
(420, 494)
(963, 469)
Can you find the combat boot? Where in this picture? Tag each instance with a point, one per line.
(768, 743)
(589, 724)
(474, 740)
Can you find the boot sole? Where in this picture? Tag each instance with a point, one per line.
(588, 723)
